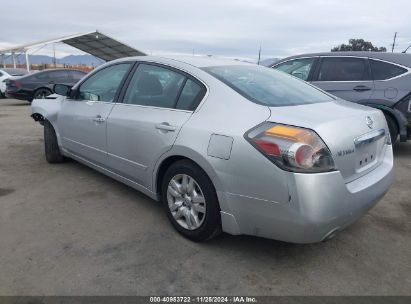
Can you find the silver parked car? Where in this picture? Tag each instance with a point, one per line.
(224, 145)
(379, 80)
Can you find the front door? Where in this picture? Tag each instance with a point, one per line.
(82, 120)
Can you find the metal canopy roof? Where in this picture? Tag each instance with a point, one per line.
(93, 43)
(102, 46)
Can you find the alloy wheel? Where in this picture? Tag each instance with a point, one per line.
(42, 94)
(186, 201)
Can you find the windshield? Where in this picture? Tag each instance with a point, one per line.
(266, 86)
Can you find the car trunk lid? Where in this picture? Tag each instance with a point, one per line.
(356, 135)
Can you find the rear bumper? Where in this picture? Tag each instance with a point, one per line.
(319, 205)
(22, 95)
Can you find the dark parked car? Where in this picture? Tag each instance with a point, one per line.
(5, 74)
(379, 80)
(40, 84)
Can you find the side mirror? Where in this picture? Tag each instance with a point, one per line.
(61, 89)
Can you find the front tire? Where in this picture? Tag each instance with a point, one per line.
(392, 127)
(41, 93)
(190, 201)
(51, 147)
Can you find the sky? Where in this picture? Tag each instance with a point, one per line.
(229, 28)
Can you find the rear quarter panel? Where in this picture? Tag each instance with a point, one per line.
(389, 92)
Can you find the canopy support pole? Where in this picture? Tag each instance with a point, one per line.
(27, 61)
(14, 59)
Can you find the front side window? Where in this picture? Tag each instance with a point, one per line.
(103, 85)
(298, 67)
(154, 86)
(267, 86)
(383, 70)
(343, 69)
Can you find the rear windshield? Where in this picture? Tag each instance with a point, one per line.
(266, 86)
(15, 72)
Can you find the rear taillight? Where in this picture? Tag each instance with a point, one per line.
(292, 148)
(17, 84)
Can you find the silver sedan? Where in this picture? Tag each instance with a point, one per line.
(224, 145)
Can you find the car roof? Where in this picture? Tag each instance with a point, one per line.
(49, 70)
(196, 61)
(12, 71)
(398, 58)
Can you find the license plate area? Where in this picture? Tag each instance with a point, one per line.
(366, 156)
(367, 148)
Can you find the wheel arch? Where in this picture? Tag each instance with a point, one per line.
(42, 88)
(228, 220)
(46, 109)
(180, 153)
(397, 116)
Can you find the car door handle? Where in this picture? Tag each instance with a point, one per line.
(99, 119)
(361, 88)
(165, 126)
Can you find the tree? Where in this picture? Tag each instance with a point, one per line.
(358, 45)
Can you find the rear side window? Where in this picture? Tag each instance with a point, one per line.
(383, 70)
(42, 76)
(267, 86)
(191, 95)
(58, 75)
(298, 67)
(77, 75)
(343, 69)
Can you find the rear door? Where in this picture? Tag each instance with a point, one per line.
(346, 77)
(156, 102)
(82, 120)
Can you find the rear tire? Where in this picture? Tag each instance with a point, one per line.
(206, 221)
(393, 128)
(51, 147)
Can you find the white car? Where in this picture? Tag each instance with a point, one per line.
(6, 74)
